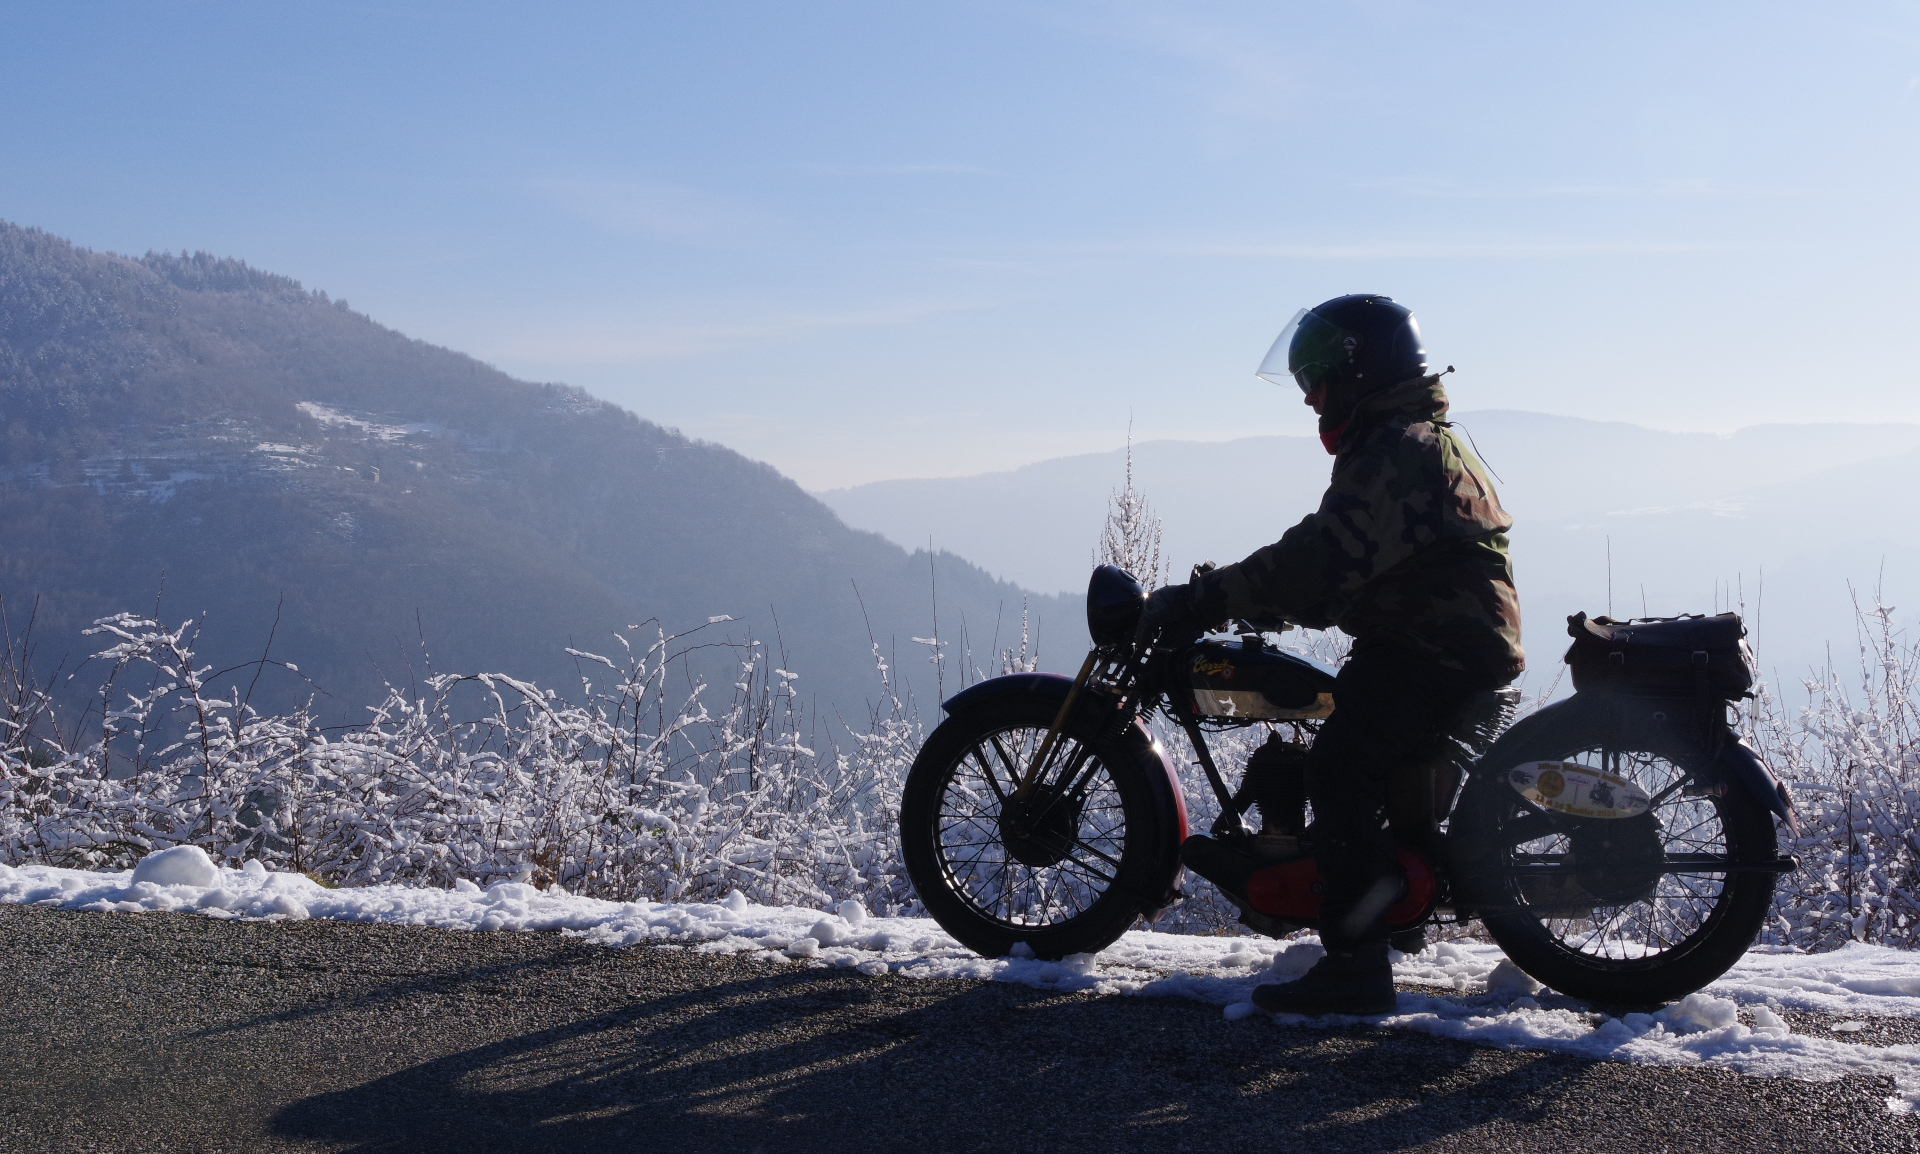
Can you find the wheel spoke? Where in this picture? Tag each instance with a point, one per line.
(1528, 827)
(1081, 813)
(1108, 858)
(1007, 762)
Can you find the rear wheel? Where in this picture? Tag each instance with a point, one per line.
(1064, 867)
(1625, 911)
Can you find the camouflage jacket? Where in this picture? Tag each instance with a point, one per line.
(1409, 544)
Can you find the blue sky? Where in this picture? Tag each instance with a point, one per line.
(868, 240)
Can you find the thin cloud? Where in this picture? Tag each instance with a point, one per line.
(1242, 70)
(1717, 506)
(899, 170)
(614, 343)
(1385, 250)
(1691, 189)
(652, 210)
(1466, 251)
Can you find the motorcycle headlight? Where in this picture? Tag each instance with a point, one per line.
(1114, 601)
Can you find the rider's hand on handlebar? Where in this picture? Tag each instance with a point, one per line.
(1169, 609)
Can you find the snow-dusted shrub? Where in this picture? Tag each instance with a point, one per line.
(638, 790)
(1852, 758)
(642, 789)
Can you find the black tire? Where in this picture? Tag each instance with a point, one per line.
(982, 867)
(1666, 934)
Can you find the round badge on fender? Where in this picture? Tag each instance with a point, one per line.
(1577, 790)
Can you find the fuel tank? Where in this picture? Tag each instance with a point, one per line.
(1249, 680)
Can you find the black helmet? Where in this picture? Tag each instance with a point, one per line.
(1356, 345)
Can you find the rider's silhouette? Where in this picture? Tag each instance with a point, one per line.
(1408, 554)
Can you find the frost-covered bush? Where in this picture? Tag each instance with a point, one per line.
(640, 789)
(652, 785)
(1852, 758)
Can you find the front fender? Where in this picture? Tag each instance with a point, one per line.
(1053, 687)
(1041, 684)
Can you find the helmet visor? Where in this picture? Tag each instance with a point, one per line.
(1308, 351)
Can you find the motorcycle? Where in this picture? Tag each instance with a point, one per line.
(1619, 845)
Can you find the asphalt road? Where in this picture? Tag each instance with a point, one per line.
(168, 1032)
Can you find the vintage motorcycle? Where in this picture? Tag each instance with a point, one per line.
(1619, 845)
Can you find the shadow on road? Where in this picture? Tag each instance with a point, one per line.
(167, 1033)
(792, 1060)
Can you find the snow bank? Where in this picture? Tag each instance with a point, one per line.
(1476, 994)
(183, 865)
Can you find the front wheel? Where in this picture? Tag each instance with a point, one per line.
(1063, 867)
(1622, 911)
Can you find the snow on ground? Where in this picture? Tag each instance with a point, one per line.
(1476, 994)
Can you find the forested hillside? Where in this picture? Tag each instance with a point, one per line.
(191, 431)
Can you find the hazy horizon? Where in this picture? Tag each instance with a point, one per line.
(1463, 414)
(1793, 525)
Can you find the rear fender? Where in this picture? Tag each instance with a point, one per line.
(1526, 735)
(1054, 688)
(1669, 728)
(1740, 766)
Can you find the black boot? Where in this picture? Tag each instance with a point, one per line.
(1356, 979)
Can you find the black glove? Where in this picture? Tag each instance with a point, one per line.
(1171, 610)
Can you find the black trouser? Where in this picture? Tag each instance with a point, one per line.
(1387, 700)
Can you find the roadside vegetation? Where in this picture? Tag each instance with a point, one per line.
(685, 768)
(650, 783)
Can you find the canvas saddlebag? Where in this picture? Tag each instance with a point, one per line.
(1692, 655)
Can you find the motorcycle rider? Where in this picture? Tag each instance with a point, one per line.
(1407, 554)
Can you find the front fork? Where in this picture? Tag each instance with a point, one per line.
(1229, 823)
(1037, 771)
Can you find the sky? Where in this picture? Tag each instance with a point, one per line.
(874, 240)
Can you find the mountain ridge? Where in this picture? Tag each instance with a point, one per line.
(278, 456)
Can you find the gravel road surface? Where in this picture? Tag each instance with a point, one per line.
(167, 1032)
